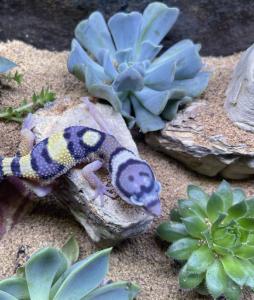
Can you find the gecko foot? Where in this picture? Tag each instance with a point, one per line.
(102, 191)
(27, 136)
(100, 188)
(40, 191)
(28, 122)
(96, 115)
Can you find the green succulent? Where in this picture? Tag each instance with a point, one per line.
(51, 275)
(17, 114)
(213, 237)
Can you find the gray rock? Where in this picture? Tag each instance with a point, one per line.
(214, 156)
(115, 220)
(240, 93)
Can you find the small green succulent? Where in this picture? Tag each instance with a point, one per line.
(119, 61)
(51, 275)
(213, 237)
(17, 114)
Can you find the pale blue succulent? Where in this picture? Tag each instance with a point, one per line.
(6, 65)
(118, 62)
(51, 275)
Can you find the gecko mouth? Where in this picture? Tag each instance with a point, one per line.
(154, 207)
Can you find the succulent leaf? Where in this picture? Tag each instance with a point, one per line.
(182, 249)
(148, 51)
(215, 205)
(95, 27)
(42, 269)
(250, 204)
(185, 53)
(235, 269)
(94, 269)
(250, 239)
(237, 211)
(6, 65)
(153, 101)
(190, 208)
(238, 195)
(120, 57)
(160, 76)
(145, 119)
(200, 260)
(197, 195)
(130, 78)
(114, 291)
(222, 250)
(158, 20)
(247, 223)
(195, 226)
(6, 296)
(233, 291)
(192, 87)
(216, 279)
(225, 192)
(125, 29)
(71, 250)
(172, 107)
(171, 232)
(245, 251)
(189, 280)
(175, 215)
(16, 287)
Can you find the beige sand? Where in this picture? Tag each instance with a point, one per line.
(142, 259)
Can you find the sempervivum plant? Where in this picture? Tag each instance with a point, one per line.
(213, 237)
(51, 275)
(118, 62)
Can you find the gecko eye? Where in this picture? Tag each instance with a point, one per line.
(135, 200)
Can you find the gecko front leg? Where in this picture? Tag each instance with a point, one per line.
(25, 147)
(27, 136)
(100, 188)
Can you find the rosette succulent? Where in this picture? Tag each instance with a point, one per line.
(119, 62)
(213, 237)
(51, 275)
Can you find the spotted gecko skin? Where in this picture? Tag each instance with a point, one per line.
(132, 177)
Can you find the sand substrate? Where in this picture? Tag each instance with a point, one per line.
(142, 259)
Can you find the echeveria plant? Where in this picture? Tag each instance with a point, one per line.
(118, 62)
(213, 237)
(51, 275)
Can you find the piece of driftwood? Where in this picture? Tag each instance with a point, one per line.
(240, 93)
(115, 220)
(214, 156)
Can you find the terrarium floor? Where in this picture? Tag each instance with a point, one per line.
(140, 260)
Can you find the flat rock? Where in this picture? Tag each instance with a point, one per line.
(215, 155)
(115, 220)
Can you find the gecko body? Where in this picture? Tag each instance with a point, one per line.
(54, 156)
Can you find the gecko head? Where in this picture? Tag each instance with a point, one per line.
(137, 185)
